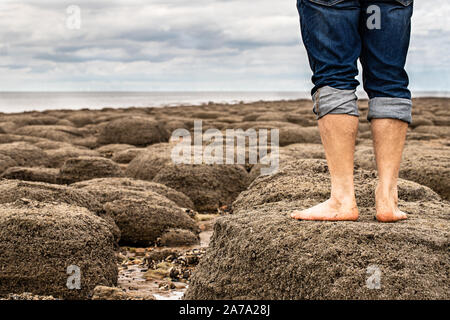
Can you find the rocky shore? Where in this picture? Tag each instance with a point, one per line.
(92, 206)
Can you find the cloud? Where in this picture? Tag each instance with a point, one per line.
(183, 45)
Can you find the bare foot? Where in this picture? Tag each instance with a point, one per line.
(387, 206)
(330, 210)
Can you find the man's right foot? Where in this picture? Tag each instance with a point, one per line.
(330, 210)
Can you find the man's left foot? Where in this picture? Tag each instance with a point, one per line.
(387, 206)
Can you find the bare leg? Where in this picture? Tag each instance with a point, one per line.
(389, 138)
(338, 133)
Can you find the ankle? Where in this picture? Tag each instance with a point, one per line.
(386, 191)
(343, 199)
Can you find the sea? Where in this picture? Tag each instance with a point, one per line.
(12, 102)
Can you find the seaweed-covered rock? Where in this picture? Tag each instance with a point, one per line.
(425, 164)
(109, 293)
(108, 150)
(148, 163)
(142, 220)
(48, 175)
(24, 154)
(11, 190)
(136, 131)
(259, 252)
(208, 186)
(86, 168)
(126, 156)
(286, 154)
(127, 186)
(178, 237)
(51, 132)
(6, 162)
(140, 209)
(43, 245)
(57, 156)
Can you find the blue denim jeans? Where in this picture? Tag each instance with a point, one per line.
(338, 32)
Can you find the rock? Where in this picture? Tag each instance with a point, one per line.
(51, 132)
(207, 115)
(309, 179)
(178, 237)
(48, 175)
(7, 126)
(289, 153)
(297, 134)
(420, 136)
(57, 157)
(6, 162)
(24, 154)
(136, 131)
(35, 118)
(442, 121)
(65, 122)
(109, 293)
(107, 151)
(11, 190)
(159, 274)
(147, 164)
(304, 120)
(443, 132)
(272, 116)
(420, 121)
(425, 164)
(130, 186)
(42, 246)
(46, 144)
(126, 156)
(27, 296)
(86, 168)
(208, 186)
(10, 138)
(143, 220)
(276, 257)
(157, 255)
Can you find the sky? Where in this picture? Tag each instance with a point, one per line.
(179, 45)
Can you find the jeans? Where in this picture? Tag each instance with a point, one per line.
(338, 32)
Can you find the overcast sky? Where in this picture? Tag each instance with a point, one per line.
(147, 45)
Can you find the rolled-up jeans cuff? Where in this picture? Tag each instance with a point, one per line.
(329, 100)
(392, 108)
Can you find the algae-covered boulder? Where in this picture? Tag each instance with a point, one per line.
(44, 247)
(87, 168)
(48, 175)
(259, 252)
(208, 186)
(136, 131)
(143, 220)
(128, 186)
(425, 164)
(11, 190)
(23, 154)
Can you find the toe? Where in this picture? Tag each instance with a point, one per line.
(296, 215)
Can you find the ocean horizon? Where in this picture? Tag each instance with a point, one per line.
(12, 102)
